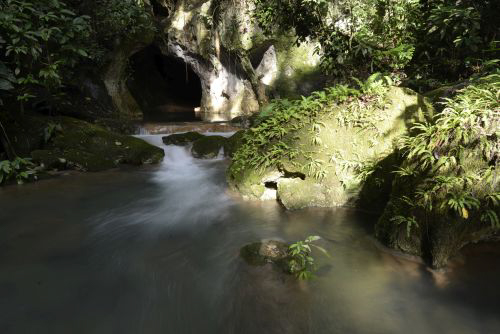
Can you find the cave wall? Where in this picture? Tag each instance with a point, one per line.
(219, 40)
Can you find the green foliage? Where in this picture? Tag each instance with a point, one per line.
(270, 141)
(50, 131)
(360, 36)
(121, 19)
(301, 262)
(453, 161)
(455, 26)
(41, 42)
(409, 222)
(22, 170)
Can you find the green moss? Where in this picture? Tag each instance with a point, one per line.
(182, 139)
(208, 147)
(320, 150)
(79, 144)
(49, 159)
(445, 185)
(233, 143)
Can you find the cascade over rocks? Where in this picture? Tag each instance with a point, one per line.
(182, 139)
(206, 147)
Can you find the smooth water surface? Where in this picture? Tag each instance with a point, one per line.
(156, 250)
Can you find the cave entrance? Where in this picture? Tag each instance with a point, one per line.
(165, 87)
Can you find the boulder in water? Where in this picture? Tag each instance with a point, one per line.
(233, 143)
(77, 144)
(270, 251)
(84, 146)
(322, 159)
(208, 147)
(182, 139)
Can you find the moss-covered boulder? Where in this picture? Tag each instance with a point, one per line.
(49, 159)
(64, 142)
(446, 192)
(208, 147)
(182, 139)
(233, 143)
(91, 148)
(319, 151)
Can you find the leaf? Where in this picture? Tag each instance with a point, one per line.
(313, 238)
(465, 213)
(5, 85)
(322, 250)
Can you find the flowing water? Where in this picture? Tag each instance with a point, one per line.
(156, 250)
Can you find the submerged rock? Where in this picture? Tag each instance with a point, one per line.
(208, 147)
(182, 139)
(271, 251)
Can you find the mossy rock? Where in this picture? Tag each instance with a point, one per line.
(233, 143)
(182, 139)
(49, 159)
(208, 147)
(78, 144)
(93, 148)
(271, 251)
(437, 208)
(334, 148)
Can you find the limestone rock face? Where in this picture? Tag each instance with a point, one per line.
(267, 71)
(236, 77)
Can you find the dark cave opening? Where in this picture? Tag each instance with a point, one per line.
(165, 87)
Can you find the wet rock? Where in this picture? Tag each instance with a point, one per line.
(270, 251)
(182, 139)
(208, 147)
(233, 143)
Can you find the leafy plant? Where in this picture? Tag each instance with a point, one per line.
(21, 170)
(50, 131)
(122, 19)
(451, 162)
(461, 203)
(409, 222)
(269, 142)
(302, 263)
(41, 42)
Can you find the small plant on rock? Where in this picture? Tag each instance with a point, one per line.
(302, 263)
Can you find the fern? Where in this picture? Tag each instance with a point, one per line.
(409, 222)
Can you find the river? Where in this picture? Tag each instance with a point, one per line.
(155, 249)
